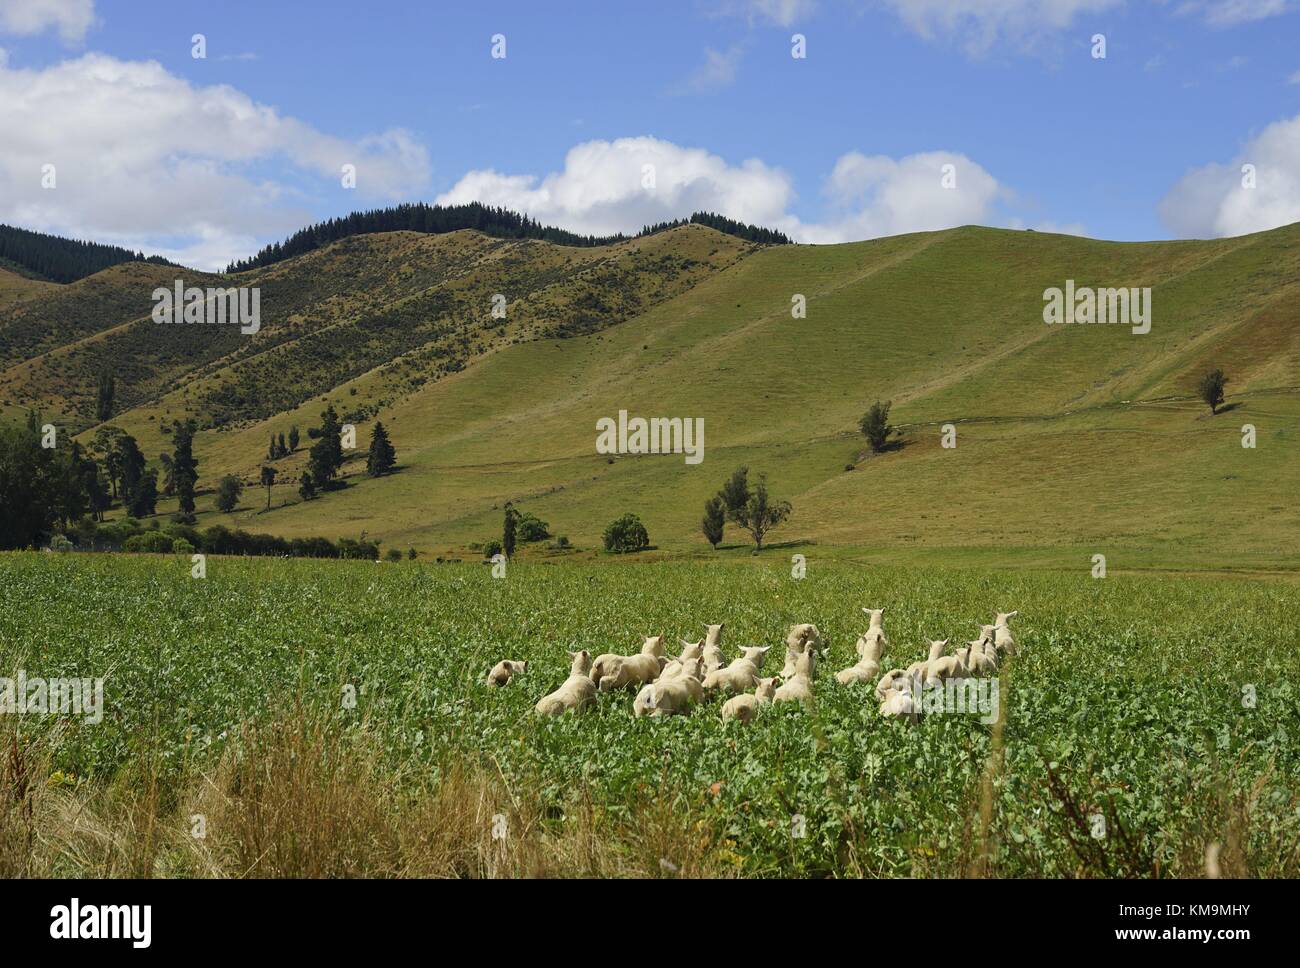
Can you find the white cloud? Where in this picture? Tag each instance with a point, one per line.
(877, 195)
(601, 190)
(72, 18)
(979, 25)
(1229, 13)
(1212, 200)
(783, 13)
(717, 72)
(141, 154)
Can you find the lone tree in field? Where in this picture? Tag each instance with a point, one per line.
(875, 426)
(382, 456)
(508, 530)
(625, 535)
(307, 487)
(229, 488)
(1210, 389)
(268, 481)
(715, 519)
(293, 438)
(761, 514)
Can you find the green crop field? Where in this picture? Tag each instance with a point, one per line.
(1146, 719)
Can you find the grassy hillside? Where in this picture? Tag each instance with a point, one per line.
(1071, 440)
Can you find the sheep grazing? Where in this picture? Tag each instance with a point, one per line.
(690, 650)
(868, 666)
(745, 706)
(674, 696)
(944, 667)
(741, 674)
(503, 671)
(1003, 641)
(613, 671)
(713, 657)
(577, 692)
(875, 630)
(799, 686)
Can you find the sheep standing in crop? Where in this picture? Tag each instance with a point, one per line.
(741, 674)
(916, 672)
(801, 639)
(799, 686)
(875, 630)
(944, 667)
(983, 659)
(1003, 640)
(745, 707)
(674, 696)
(690, 650)
(503, 671)
(576, 693)
(867, 667)
(613, 671)
(713, 657)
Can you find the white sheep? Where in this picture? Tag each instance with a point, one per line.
(503, 671)
(799, 686)
(690, 650)
(613, 671)
(741, 674)
(916, 671)
(899, 703)
(745, 706)
(875, 630)
(1003, 641)
(983, 659)
(891, 681)
(667, 697)
(801, 639)
(868, 666)
(713, 657)
(577, 692)
(944, 667)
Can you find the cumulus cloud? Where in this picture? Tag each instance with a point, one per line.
(621, 185)
(782, 13)
(1214, 201)
(979, 25)
(607, 187)
(140, 154)
(878, 195)
(71, 18)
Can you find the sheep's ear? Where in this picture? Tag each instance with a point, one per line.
(685, 643)
(867, 610)
(1013, 614)
(945, 641)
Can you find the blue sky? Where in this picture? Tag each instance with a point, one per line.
(156, 148)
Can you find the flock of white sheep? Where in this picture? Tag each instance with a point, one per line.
(672, 685)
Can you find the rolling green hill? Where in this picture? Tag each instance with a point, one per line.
(1071, 440)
